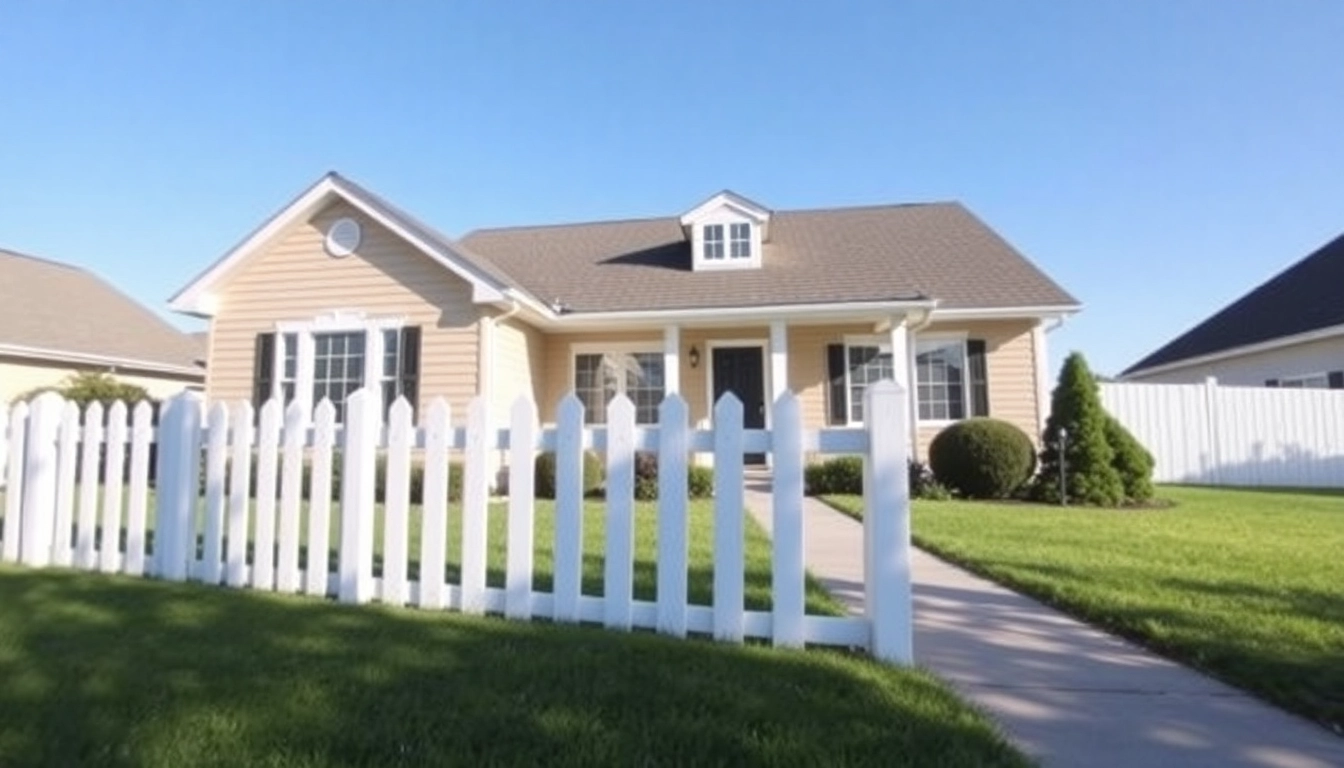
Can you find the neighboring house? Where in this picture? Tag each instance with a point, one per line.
(57, 320)
(341, 289)
(1288, 332)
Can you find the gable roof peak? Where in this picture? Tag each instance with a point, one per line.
(730, 200)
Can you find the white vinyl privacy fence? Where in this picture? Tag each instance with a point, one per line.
(1238, 436)
(78, 495)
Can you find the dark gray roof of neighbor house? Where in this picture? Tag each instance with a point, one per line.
(937, 250)
(1304, 297)
(57, 307)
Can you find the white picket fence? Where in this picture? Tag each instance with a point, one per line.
(51, 517)
(1237, 436)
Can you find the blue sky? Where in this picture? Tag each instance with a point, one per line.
(1157, 158)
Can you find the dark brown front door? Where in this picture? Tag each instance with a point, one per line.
(741, 370)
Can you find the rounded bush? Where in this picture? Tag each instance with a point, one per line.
(982, 458)
(544, 480)
(700, 482)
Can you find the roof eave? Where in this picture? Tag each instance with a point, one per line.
(66, 356)
(1318, 334)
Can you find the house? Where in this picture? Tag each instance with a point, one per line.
(58, 319)
(1288, 332)
(341, 289)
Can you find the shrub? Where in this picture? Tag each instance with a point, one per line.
(982, 458)
(1132, 461)
(85, 388)
(700, 482)
(544, 482)
(417, 482)
(646, 476)
(842, 474)
(1089, 460)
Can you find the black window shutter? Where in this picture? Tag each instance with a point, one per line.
(835, 370)
(409, 375)
(1335, 379)
(1271, 382)
(975, 361)
(263, 369)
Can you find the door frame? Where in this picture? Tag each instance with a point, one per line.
(766, 385)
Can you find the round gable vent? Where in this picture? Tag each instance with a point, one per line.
(343, 237)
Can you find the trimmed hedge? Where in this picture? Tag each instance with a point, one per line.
(982, 458)
(417, 483)
(544, 482)
(844, 475)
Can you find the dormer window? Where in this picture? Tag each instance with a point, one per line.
(740, 245)
(714, 241)
(727, 232)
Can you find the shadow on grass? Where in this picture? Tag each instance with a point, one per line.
(116, 671)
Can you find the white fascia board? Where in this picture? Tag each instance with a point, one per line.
(1007, 313)
(62, 356)
(733, 202)
(797, 314)
(1319, 334)
(196, 299)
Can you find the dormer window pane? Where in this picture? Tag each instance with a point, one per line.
(740, 244)
(714, 241)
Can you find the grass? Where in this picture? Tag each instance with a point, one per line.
(700, 572)
(1245, 584)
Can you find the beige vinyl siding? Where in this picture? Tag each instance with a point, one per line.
(294, 279)
(22, 375)
(520, 354)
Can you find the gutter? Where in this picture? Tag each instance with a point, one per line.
(59, 356)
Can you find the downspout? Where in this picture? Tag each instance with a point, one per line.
(487, 370)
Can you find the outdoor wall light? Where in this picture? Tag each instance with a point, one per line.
(695, 356)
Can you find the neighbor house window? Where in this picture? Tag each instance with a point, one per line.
(1313, 381)
(600, 376)
(713, 241)
(941, 381)
(740, 241)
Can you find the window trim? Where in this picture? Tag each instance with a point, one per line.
(330, 322)
(883, 344)
(617, 347)
(727, 220)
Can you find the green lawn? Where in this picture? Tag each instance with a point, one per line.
(1245, 584)
(700, 575)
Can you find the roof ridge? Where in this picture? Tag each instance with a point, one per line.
(51, 262)
(674, 217)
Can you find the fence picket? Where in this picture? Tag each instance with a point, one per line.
(474, 521)
(18, 432)
(434, 515)
(887, 524)
(109, 545)
(518, 574)
(179, 486)
(729, 528)
(291, 495)
(400, 437)
(673, 451)
(240, 488)
(619, 577)
(39, 481)
(317, 571)
(263, 550)
(358, 475)
(91, 435)
(142, 431)
(67, 457)
(568, 509)
(216, 456)
(787, 579)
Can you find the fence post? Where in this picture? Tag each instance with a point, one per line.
(178, 473)
(1211, 413)
(18, 430)
(37, 531)
(358, 473)
(887, 525)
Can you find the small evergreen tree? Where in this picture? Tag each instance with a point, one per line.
(1089, 466)
(1132, 461)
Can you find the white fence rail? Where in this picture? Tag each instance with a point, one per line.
(1238, 436)
(59, 511)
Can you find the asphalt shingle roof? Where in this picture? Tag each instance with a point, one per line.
(59, 307)
(936, 250)
(1305, 297)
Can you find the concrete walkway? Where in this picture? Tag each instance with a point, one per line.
(1066, 693)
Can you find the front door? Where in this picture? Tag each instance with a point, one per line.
(741, 370)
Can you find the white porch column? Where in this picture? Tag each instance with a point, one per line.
(672, 360)
(902, 366)
(779, 359)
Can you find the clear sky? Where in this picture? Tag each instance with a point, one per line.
(1157, 157)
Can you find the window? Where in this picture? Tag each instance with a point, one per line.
(289, 366)
(1314, 381)
(401, 366)
(338, 367)
(740, 241)
(941, 377)
(713, 241)
(598, 377)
